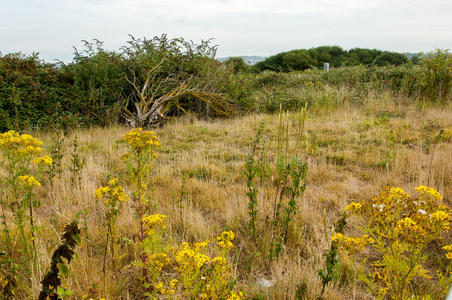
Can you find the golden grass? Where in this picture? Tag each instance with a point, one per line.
(349, 146)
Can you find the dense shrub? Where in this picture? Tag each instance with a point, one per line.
(237, 64)
(95, 87)
(99, 83)
(437, 74)
(98, 86)
(302, 59)
(32, 93)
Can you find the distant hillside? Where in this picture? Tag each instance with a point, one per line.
(251, 60)
(410, 55)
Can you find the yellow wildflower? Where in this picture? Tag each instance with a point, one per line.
(154, 221)
(29, 181)
(157, 261)
(224, 240)
(429, 192)
(235, 296)
(447, 247)
(440, 215)
(188, 257)
(353, 208)
(173, 283)
(113, 181)
(112, 192)
(337, 237)
(201, 245)
(43, 161)
(141, 139)
(100, 192)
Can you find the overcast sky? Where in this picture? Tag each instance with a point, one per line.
(240, 27)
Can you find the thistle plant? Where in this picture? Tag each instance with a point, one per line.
(112, 195)
(142, 144)
(399, 228)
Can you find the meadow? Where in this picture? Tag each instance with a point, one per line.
(319, 186)
(198, 182)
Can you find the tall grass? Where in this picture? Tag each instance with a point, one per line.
(343, 144)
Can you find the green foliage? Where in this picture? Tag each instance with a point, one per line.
(437, 74)
(252, 168)
(94, 87)
(272, 89)
(287, 61)
(301, 59)
(56, 152)
(51, 288)
(332, 262)
(289, 179)
(237, 64)
(33, 93)
(390, 59)
(333, 55)
(99, 83)
(77, 163)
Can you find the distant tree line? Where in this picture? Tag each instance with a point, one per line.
(302, 59)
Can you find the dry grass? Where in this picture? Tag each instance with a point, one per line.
(349, 145)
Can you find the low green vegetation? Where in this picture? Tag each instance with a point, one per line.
(151, 80)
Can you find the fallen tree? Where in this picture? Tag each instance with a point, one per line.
(184, 78)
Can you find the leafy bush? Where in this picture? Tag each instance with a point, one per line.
(33, 93)
(301, 59)
(96, 86)
(437, 74)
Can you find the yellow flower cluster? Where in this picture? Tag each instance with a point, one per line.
(201, 245)
(214, 274)
(189, 256)
(157, 261)
(23, 144)
(353, 208)
(429, 193)
(170, 291)
(409, 229)
(224, 240)
(220, 264)
(448, 248)
(153, 222)
(200, 275)
(420, 219)
(29, 181)
(141, 139)
(43, 161)
(236, 296)
(352, 245)
(396, 223)
(111, 193)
